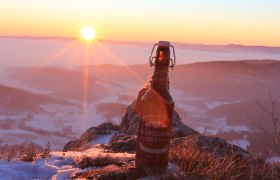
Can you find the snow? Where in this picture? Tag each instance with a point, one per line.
(214, 104)
(176, 92)
(61, 165)
(13, 117)
(242, 76)
(186, 97)
(191, 109)
(55, 167)
(58, 123)
(275, 159)
(26, 170)
(243, 143)
(219, 125)
(54, 123)
(102, 139)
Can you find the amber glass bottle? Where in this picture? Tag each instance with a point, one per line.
(156, 114)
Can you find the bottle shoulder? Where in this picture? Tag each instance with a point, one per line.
(157, 96)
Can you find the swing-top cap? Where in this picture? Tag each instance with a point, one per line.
(164, 44)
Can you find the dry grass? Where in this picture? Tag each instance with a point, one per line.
(193, 162)
(98, 161)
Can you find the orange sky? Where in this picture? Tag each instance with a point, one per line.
(193, 21)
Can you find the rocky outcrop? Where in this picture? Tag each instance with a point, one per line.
(90, 135)
(125, 138)
(130, 123)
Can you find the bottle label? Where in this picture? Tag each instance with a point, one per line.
(155, 151)
(154, 134)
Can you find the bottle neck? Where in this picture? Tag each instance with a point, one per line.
(160, 78)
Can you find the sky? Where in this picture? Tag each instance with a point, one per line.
(247, 22)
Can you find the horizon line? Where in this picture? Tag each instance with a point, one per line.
(128, 42)
(117, 65)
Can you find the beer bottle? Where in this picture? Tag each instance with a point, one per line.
(156, 113)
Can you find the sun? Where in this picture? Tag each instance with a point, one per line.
(88, 33)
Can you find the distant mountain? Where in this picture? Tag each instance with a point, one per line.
(17, 100)
(217, 80)
(227, 80)
(214, 81)
(228, 47)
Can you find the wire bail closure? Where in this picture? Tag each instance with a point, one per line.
(166, 44)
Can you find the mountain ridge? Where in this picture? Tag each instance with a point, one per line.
(12, 98)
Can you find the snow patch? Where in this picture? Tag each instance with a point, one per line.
(219, 125)
(214, 104)
(243, 143)
(61, 165)
(26, 170)
(104, 139)
(242, 76)
(188, 108)
(275, 159)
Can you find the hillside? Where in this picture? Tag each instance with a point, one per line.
(17, 100)
(215, 98)
(60, 82)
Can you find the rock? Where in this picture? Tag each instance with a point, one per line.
(125, 139)
(179, 129)
(72, 145)
(130, 123)
(123, 143)
(109, 126)
(91, 134)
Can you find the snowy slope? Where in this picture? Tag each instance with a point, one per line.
(61, 165)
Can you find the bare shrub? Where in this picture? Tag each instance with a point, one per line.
(46, 152)
(10, 153)
(25, 152)
(98, 161)
(274, 114)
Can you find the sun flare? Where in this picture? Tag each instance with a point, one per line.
(88, 33)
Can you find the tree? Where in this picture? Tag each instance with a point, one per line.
(274, 114)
